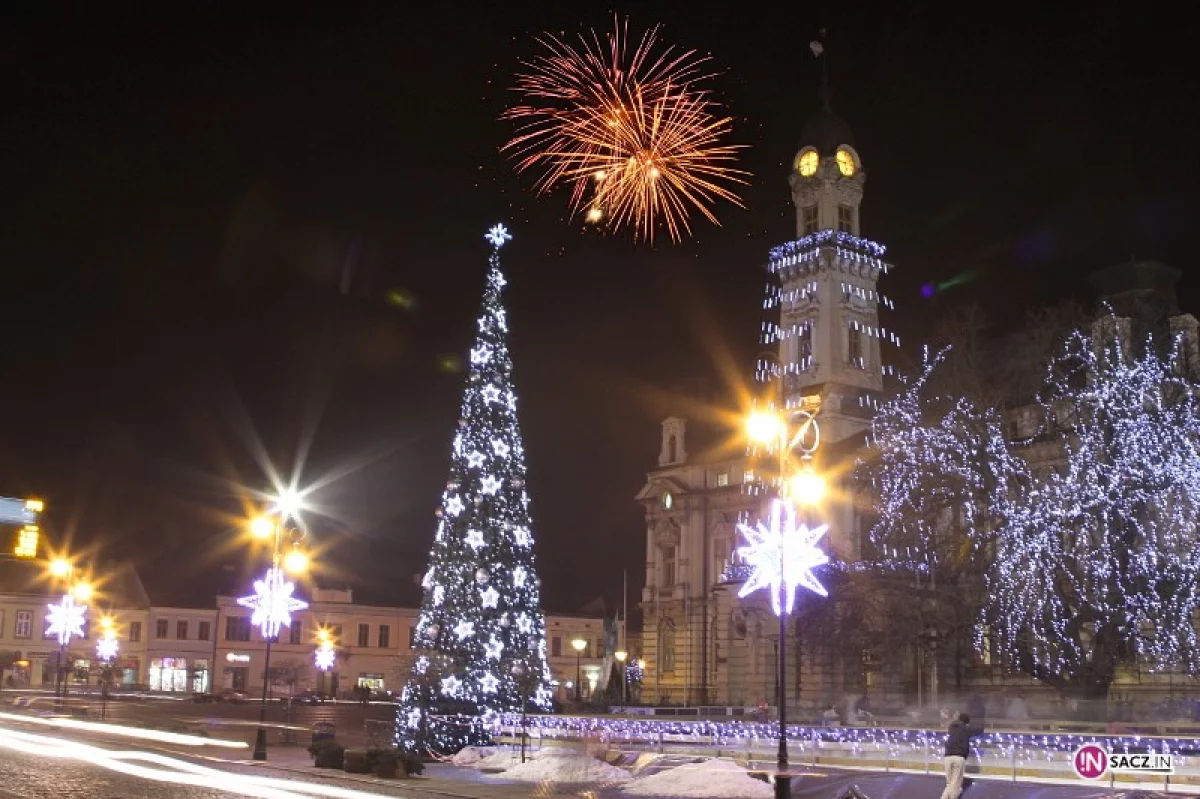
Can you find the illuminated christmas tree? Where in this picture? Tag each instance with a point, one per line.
(480, 642)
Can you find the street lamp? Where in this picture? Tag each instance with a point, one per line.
(621, 655)
(579, 644)
(272, 601)
(66, 618)
(791, 551)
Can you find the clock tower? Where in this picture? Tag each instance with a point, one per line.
(828, 334)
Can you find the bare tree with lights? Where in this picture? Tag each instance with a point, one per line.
(481, 610)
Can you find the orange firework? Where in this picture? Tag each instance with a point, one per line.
(634, 135)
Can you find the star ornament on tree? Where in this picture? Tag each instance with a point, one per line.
(782, 556)
(497, 235)
(272, 603)
(66, 619)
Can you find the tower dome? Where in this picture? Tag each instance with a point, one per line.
(825, 130)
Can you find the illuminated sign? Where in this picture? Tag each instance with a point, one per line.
(234, 657)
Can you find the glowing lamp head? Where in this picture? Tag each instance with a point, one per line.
(620, 656)
(763, 427)
(579, 644)
(289, 503)
(60, 567)
(808, 488)
(323, 636)
(296, 561)
(83, 591)
(262, 527)
(106, 623)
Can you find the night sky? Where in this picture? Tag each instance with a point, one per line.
(242, 231)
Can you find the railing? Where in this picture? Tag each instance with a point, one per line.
(1011, 756)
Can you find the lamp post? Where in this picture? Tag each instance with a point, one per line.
(788, 430)
(621, 655)
(579, 644)
(66, 619)
(272, 601)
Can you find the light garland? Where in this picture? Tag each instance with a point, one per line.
(481, 605)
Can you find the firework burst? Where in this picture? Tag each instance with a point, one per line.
(634, 134)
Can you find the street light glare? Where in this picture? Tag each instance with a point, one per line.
(763, 427)
(808, 488)
(289, 503)
(262, 527)
(60, 567)
(620, 656)
(83, 591)
(579, 644)
(296, 562)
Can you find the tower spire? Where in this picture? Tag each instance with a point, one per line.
(824, 93)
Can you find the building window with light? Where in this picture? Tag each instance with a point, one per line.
(24, 626)
(804, 346)
(160, 628)
(296, 632)
(845, 219)
(854, 348)
(723, 479)
(181, 630)
(666, 647)
(810, 219)
(364, 635)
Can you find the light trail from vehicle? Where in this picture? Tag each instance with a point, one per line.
(165, 769)
(126, 732)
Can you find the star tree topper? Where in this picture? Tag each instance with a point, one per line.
(782, 556)
(272, 602)
(66, 619)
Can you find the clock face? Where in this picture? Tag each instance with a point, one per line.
(845, 162)
(807, 163)
(668, 501)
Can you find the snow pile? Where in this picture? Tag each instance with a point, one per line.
(712, 779)
(567, 766)
(471, 755)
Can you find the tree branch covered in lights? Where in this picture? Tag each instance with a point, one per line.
(1078, 547)
(481, 616)
(1098, 562)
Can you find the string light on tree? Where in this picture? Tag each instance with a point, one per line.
(483, 542)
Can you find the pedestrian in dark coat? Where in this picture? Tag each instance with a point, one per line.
(958, 749)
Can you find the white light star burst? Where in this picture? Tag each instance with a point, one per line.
(782, 557)
(66, 619)
(497, 235)
(107, 647)
(273, 603)
(324, 657)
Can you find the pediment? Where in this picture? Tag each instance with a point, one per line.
(657, 486)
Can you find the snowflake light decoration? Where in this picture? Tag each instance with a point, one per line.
(324, 657)
(66, 619)
(107, 647)
(782, 556)
(273, 603)
(497, 235)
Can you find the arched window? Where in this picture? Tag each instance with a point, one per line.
(666, 647)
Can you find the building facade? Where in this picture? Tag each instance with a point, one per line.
(181, 649)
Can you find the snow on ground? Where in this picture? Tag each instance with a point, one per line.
(471, 755)
(555, 764)
(712, 779)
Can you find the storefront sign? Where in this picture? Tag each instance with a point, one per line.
(234, 657)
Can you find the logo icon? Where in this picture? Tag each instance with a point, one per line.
(1090, 761)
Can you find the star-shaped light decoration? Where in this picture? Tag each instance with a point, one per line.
(414, 719)
(324, 657)
(491, 393)
(439, 595)
(489, 683)
(454, 505)
(519, 575)
(475, 460)
(464, 629)
(450, 685)
(474, 539)
(524, 623)
(273, 603)
(490, 485)
(422, 665)
(107, 647)
(782, 556)
(66, 619)
(481, 354)
(500, 448)
(489, 597)
(497, 235)
(522, 537)
(493, 648)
